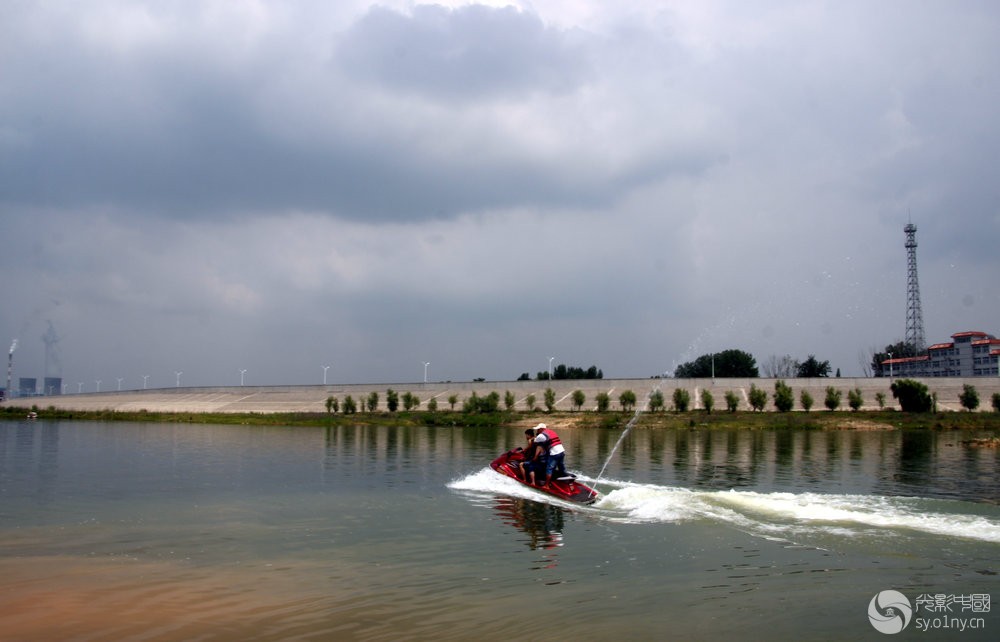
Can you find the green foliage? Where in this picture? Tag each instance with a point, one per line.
(806, 400)
(410, 401)
(509, 400)
(898, 350)
(784, 398)
(530, 402)
(482, 405)
(854, 399)
(656, 401)
(452, 400)
(996, 402)
(392, 400)
(832, 401)
(432, 404)
(732, 401)
(578, 399)
(912, 395)
(682, 399)
(811, 368)
(524, 377)
(372, 403)
(550, 399)
(603, 401)
(707, 400)
(350, 407)
(562, 372)
(758, 398)
(728, 363)
(627, 400)
(969, 397)
(332, 405)
(880, 400)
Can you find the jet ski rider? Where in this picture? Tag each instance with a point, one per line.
(554, 453)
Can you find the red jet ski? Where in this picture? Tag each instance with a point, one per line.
(565, 487)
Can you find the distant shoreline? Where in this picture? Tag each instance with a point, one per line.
(864, 420)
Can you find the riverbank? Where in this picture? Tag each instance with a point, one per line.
(613, 420)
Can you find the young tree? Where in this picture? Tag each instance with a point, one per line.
(806, 400)
(784, 399)
(707, 400)
(627, 400)
(780, 367)
(372, 402)
(682, 399)
(391, 400)
(912, 395)
(832, 401)
(452, 400)
(880, 400)
(350, 407)
(758, 398)
(603, 401)
(530, 402)
(509, 400)
(656, 401)
(410, 401)
(432, 404)
(578, 398)
(854, 399)
(969, 397)
(732, 401)
(331, 404)
(550, 399)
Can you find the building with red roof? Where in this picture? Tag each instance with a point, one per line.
(968, 354)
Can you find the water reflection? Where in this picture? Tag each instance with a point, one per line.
(542, 523)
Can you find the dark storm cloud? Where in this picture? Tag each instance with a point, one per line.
(169, 127)
(470, 52)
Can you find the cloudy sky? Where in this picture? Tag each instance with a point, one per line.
(210, 186)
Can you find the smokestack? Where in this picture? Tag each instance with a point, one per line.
(10, 364)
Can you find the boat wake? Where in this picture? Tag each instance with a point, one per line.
(767, 514)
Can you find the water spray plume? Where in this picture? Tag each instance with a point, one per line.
(13, 347)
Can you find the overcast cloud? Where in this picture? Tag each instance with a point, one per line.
(205, 187)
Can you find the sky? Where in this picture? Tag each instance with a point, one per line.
(262, 189)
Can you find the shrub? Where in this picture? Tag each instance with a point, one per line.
(854, 399)
(627, 399)
(783, 397)
(707, 400)
(806, 400)
(969, 397)
(732, 401)
(758, 398)
(832, 401)
(682, 399)
(432, 405)
(391, 400)
(578, 399)
(410, 401)
(912, 395)
(656, 401)
(880, 400)
(509, 400)
(603, 401)
(550, 399)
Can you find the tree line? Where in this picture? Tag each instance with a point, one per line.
(912, 395)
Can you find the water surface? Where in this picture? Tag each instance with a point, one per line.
(178, 532)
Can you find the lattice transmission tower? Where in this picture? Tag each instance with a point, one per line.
(914, 315)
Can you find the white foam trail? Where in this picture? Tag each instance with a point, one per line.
(766, 514)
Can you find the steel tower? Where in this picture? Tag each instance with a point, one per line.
(914, 315)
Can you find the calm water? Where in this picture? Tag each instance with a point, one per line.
(167, 532)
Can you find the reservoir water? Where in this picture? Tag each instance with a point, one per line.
(114, 531)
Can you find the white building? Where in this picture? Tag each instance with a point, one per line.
(968, 354)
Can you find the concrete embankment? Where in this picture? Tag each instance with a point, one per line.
(278, 399)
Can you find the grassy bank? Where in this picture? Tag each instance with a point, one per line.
(841, 420)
